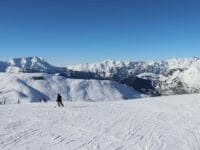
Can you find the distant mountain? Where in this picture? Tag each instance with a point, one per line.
(170, 77)
(40, 65)
(121, 69)
(154, 78)
(37, 86)
(32, 64)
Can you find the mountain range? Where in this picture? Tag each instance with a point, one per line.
(127, 79)
(170, 77)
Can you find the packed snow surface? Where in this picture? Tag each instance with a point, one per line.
(162, 123)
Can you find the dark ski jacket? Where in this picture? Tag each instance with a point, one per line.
(59, 98)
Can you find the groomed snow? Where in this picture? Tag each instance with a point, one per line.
(162, 123)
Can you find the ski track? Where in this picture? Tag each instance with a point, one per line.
(150, 124)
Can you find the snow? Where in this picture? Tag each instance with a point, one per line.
(162, 123)
(34, 64)
(158, 67)
(170, 77)
(190, 77)
(111, 123)
(23, 86)
(181, 63)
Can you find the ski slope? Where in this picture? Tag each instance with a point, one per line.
(162, 123)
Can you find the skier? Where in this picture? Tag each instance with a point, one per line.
(18, 101)
(59, 100)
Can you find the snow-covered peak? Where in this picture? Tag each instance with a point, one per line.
(181, 63)
(27, 62)
(105, 66)
(174, 76)
(32, 64)
(111, 67)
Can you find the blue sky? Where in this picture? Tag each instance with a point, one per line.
(78, 31)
